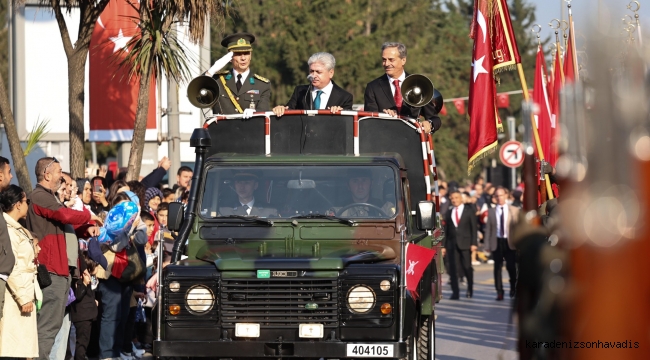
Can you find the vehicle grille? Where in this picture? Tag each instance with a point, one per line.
(279, 303)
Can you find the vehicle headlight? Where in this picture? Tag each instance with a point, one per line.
(361, 299)
(199, 299)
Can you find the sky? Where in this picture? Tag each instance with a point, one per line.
(584, 10)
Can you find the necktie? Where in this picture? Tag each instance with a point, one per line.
(397, 96)
(501, 233)
(247, 209)
(457, 218)
(317, 100)
(238, 82)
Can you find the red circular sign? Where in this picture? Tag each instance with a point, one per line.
(512, 154)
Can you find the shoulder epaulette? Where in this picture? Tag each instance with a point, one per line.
(222, 72)
(262, 78)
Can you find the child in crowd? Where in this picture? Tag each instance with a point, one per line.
(84, 309)
(169, 195)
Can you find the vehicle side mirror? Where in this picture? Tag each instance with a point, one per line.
(175, 216)
(425, 214)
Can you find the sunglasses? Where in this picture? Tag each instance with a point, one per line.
(54, 160)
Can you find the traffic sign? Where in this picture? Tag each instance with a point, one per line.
(512, 154)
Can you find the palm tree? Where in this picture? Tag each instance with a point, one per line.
(157, 51)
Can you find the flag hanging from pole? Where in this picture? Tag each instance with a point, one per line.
(540, 97)
(504, 45)
(570, 58)
(482, 90)
(558, 82)
(113, 98)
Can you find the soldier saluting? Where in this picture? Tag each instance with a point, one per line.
(240, 90)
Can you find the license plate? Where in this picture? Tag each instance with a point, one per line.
(369, 350)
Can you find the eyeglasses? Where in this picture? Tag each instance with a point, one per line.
(54, 160)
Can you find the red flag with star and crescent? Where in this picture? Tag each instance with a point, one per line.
(482, 90)
(113, 98)
(540, 97)
(504, 45)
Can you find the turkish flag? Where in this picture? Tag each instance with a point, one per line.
(570, 59)
(460, 106)
(113, 98)
(503, 101)
(443, 111)
(418, 259)
(482, 91)
(540, 97)
(558, 82)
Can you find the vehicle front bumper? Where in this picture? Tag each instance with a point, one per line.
(243, 349)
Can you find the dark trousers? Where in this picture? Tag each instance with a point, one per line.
(502, 252)
(462, 259)
(114, 312)
(83, 330)
(50, 318)
(129, 332)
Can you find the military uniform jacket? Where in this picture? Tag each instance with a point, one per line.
(255, 90)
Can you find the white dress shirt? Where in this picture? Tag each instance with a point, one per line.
(401, 80)
(249, 204)
(324, 97)
(456, 210)
(244, 75)
(498, 210)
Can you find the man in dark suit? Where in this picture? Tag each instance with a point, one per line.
(459, 242)
(500, 222)
(246, 182)
(322, 93)
(384, 95)
(240, 90)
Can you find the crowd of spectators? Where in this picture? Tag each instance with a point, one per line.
(63, 293)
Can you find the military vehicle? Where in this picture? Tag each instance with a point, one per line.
(294, 238)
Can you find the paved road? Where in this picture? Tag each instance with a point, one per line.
(476, 328)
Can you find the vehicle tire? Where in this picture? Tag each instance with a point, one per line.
(426, 339)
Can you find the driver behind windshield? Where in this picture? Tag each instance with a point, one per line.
(361, 203)
(246, 182)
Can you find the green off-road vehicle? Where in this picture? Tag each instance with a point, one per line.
(294, 240)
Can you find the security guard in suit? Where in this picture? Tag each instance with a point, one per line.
(240, 90)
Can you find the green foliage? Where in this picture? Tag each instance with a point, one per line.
(105, 151)
(34, 137)
(435, 33)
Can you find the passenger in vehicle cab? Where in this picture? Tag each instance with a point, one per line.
(361, 203)
(245, 184)
(321, 93)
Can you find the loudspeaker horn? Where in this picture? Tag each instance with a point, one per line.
(437, 101)
(417, 90)
(203, 91)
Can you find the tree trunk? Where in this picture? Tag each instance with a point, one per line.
(19, 164)
(140, 128)
(76, 95)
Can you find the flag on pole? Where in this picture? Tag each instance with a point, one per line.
(504, 45)
(570, 57)
(558, 82)
(540, 97)
(482, 90)
(460, 106)
(113, 98)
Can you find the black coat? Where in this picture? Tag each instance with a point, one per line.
(463, 236)
(84, 307)
(301, 100)
(378, 97)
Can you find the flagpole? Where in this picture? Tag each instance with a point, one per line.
(574, 53)
(636, 16)
(538, 142)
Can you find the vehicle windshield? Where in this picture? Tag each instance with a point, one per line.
(350, 192)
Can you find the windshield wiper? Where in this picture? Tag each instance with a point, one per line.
(328, 217)
(251, 218)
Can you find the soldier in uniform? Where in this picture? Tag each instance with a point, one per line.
(240, 90)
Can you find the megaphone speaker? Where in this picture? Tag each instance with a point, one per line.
(417, 90)
(203, 91)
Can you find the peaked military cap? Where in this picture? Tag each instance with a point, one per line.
(238, 42)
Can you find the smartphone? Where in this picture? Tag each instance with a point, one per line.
(97, 185)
